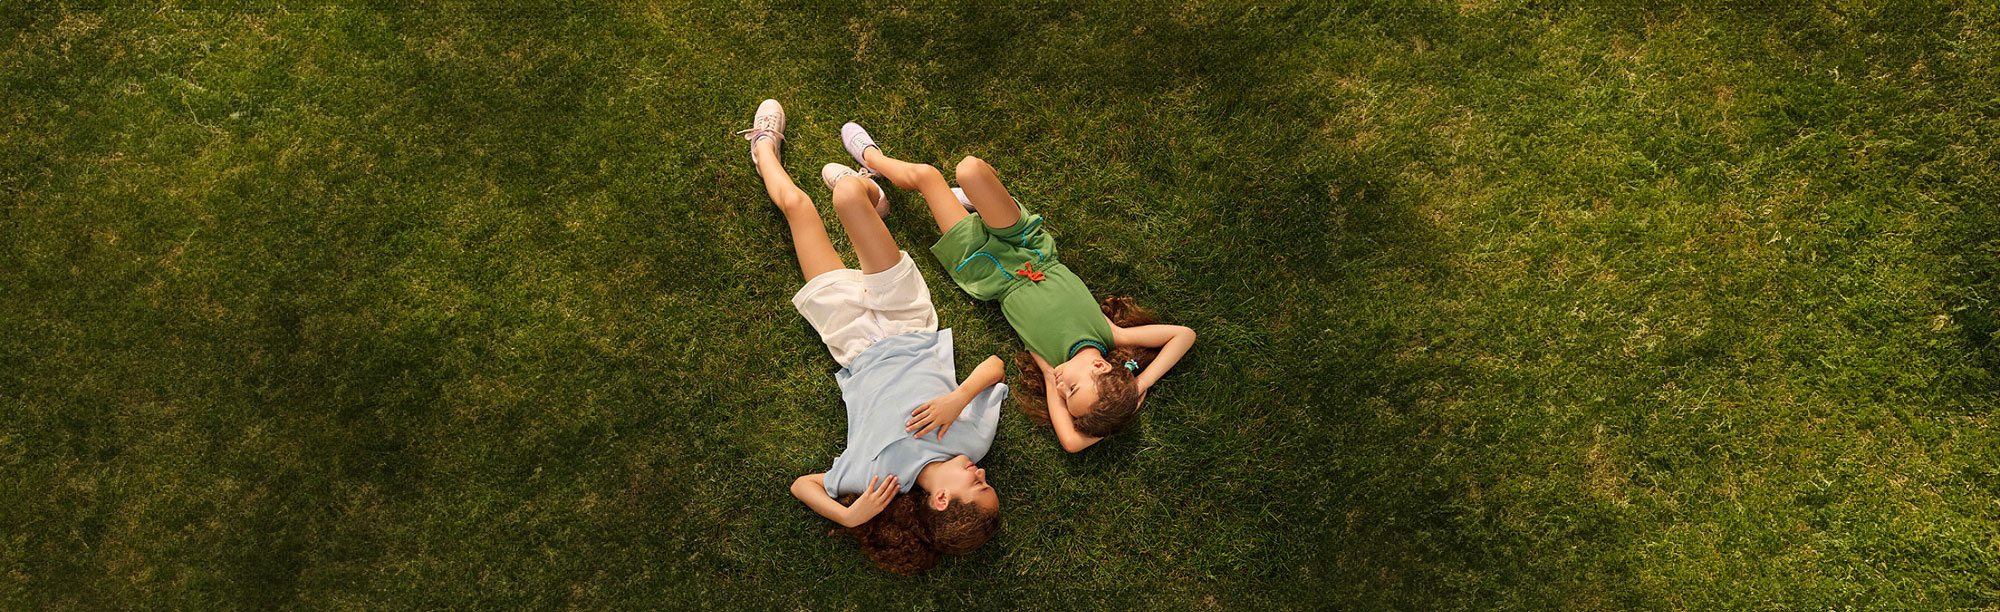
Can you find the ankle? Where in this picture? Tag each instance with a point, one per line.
(765, 150)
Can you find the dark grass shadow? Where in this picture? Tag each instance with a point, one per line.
(1330, 371)
(1972, 248)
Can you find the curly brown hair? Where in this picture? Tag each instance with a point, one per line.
(1117, 391)
(908, 536)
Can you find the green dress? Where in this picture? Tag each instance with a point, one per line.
(1055, 316)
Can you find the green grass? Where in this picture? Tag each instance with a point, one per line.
(1502, 305)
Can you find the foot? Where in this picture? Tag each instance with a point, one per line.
(768, 123)
(857, 141)
(832, 173)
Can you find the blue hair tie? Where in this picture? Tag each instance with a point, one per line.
(1131, 366)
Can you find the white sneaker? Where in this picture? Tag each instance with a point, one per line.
(768, 123)
(857, 140)
(832, 173)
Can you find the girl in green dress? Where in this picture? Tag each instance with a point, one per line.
(995, 250)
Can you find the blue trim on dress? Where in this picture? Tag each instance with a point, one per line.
(1074, 348)
(1023, 237)
(996, 263)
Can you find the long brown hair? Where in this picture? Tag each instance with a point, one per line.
(1117, 390)
(909, 536)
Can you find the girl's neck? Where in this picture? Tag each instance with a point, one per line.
(1087, 351)
(927, 477)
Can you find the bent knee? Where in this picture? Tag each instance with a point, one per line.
(926, 173)
(853, 191)
(972, 166)
(850, 188)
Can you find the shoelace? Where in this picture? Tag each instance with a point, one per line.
(764, 125)
(752, 134)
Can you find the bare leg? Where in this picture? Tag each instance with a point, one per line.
(982, 187)
(923, 178)
(853, 201)
(816, 254)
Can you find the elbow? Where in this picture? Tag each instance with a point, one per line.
(1188, 332)
(805, 486)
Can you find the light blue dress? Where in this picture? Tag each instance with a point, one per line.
(882, 386)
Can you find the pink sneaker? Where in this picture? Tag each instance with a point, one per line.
(856, 141)
(768, 123)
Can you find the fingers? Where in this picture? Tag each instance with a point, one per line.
(940, 428)
(888, 488)
(922, 413)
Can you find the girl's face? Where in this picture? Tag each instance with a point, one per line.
(966, 482)
(1076, 381)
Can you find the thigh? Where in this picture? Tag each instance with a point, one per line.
(982, 187)
(873, 245)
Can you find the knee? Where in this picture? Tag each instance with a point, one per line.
(972, 166)
(924, 173)
(794, 201)
(851, 190)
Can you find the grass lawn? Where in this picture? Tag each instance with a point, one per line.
(1503, 305)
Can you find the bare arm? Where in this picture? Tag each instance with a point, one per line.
(1172, 340)
(1065, 426)
(989, 373)
(811, 489)
(940, 413)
